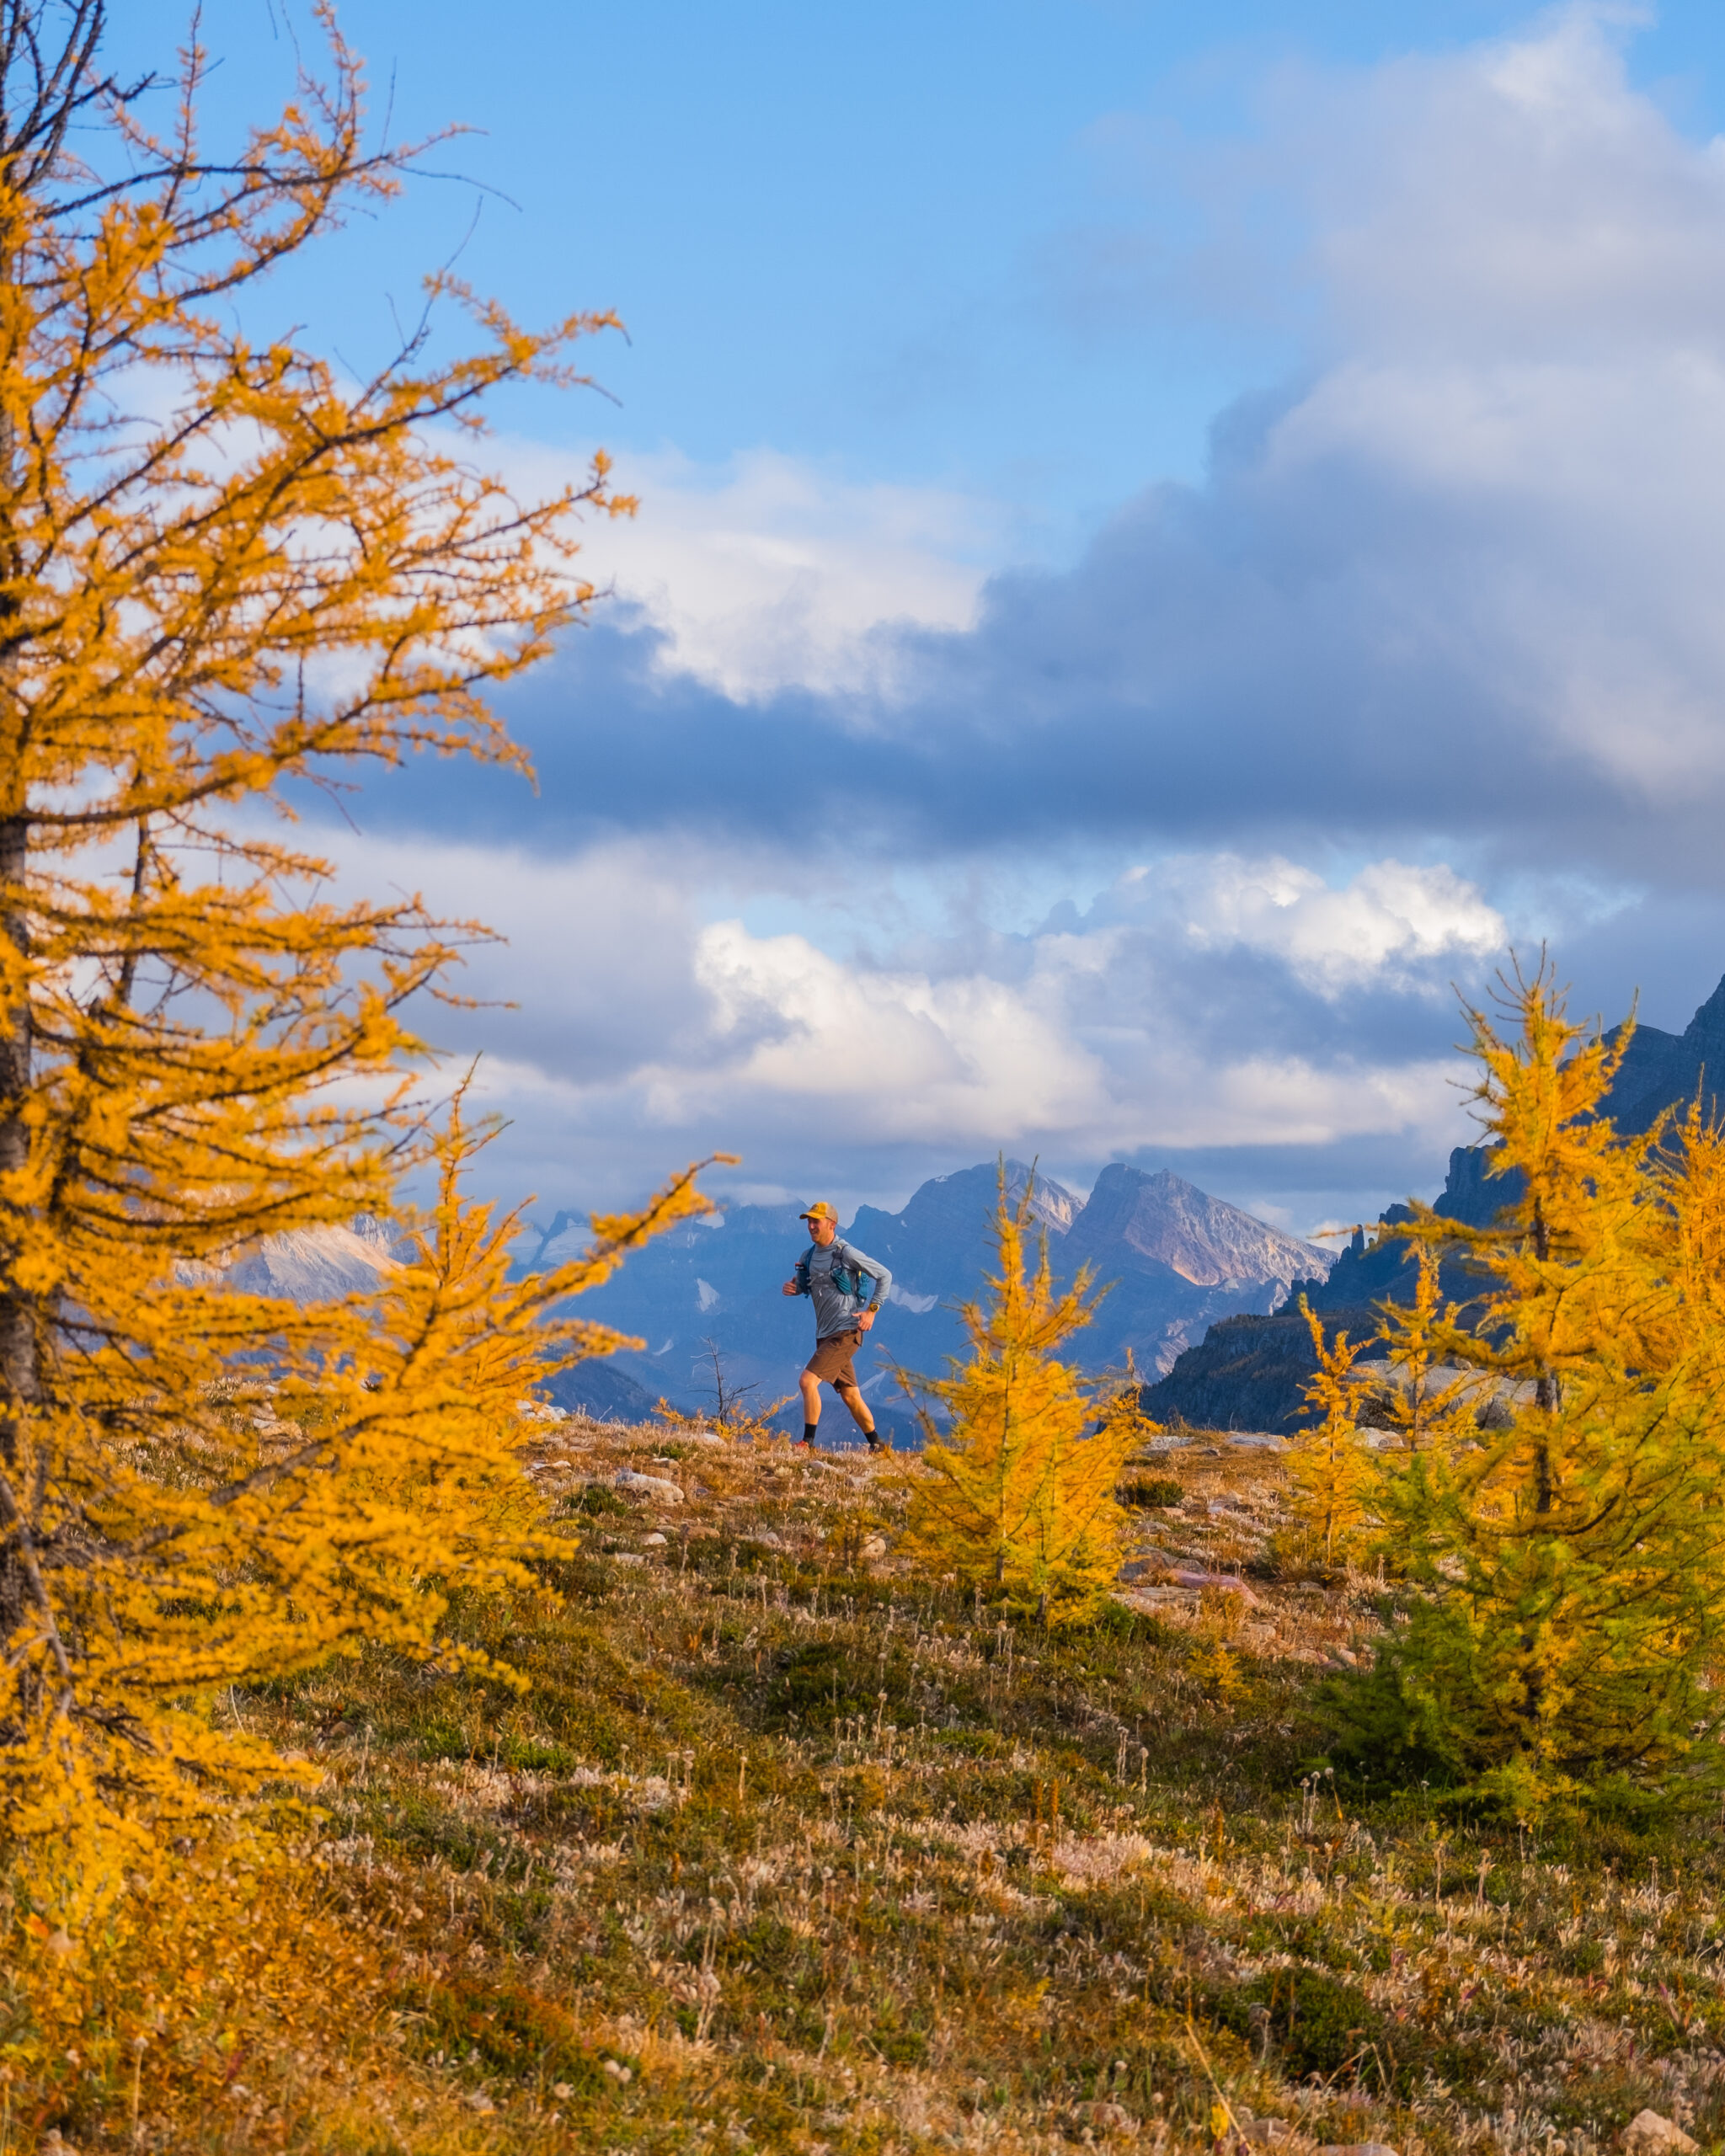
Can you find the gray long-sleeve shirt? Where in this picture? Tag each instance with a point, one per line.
(836, 1311)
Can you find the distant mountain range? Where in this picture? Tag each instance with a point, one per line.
(1176, 1260)
(1249, 1373)
(1199, 1292)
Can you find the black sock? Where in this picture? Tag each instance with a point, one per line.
(809, 1430)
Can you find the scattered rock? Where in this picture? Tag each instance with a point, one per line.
(1229, 1583)
(1148, 1563)
(1647, 2134)
(648, 1485)
(1258, 1440)
(656, 1542)
(873, 1550)
(1152, 1599)
(480, 2102)
(626, 1557)
(52, 2145)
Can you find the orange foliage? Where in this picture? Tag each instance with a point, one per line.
(225, 567)
(1017, 1492)
(1570, 1563)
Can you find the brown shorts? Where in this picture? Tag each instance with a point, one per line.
(832, 1359)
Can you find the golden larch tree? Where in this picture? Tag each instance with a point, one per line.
(1569, 1569)
(226, 566)
(1017, 1491)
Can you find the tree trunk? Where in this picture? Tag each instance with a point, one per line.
(19, 1377)
(1545, 1390)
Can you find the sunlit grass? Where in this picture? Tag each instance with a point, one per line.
(787, 1849)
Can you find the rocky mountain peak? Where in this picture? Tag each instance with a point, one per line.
(1161, 1219)
(961, 1201)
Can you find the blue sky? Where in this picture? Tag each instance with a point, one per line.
(949, 244)
(1169, 537)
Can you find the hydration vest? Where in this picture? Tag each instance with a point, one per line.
(847, 1278)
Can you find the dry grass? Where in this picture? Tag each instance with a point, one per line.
(787, 1850)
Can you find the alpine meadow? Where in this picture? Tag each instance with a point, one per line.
(401, 1757)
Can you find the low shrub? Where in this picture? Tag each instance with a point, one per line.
(1156, 1493)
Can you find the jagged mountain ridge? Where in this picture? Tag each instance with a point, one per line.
(1176, 1259)
(1160, 1219)
(1173, 1257)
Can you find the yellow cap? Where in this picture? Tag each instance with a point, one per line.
(820, 1210)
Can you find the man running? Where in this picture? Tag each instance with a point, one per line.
(832, 1273)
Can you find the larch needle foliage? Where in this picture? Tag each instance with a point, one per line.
(1569, 1569)
(1018, 1493)
(225, 566)
(1331, 1473)
(1431, 1406)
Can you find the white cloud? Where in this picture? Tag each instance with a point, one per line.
(775, 575)
(1522, 266)
(1295, 1100)
(1383, 927)
(904, 1055)
(1093, 1040)
(1457, 581)
(975, 1058)
(771, 572)
(1508, 200)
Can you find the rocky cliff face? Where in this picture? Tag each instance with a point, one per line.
(937, 1244)
(1247, 1373)
(1251, 1375)
(1661, 1069)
